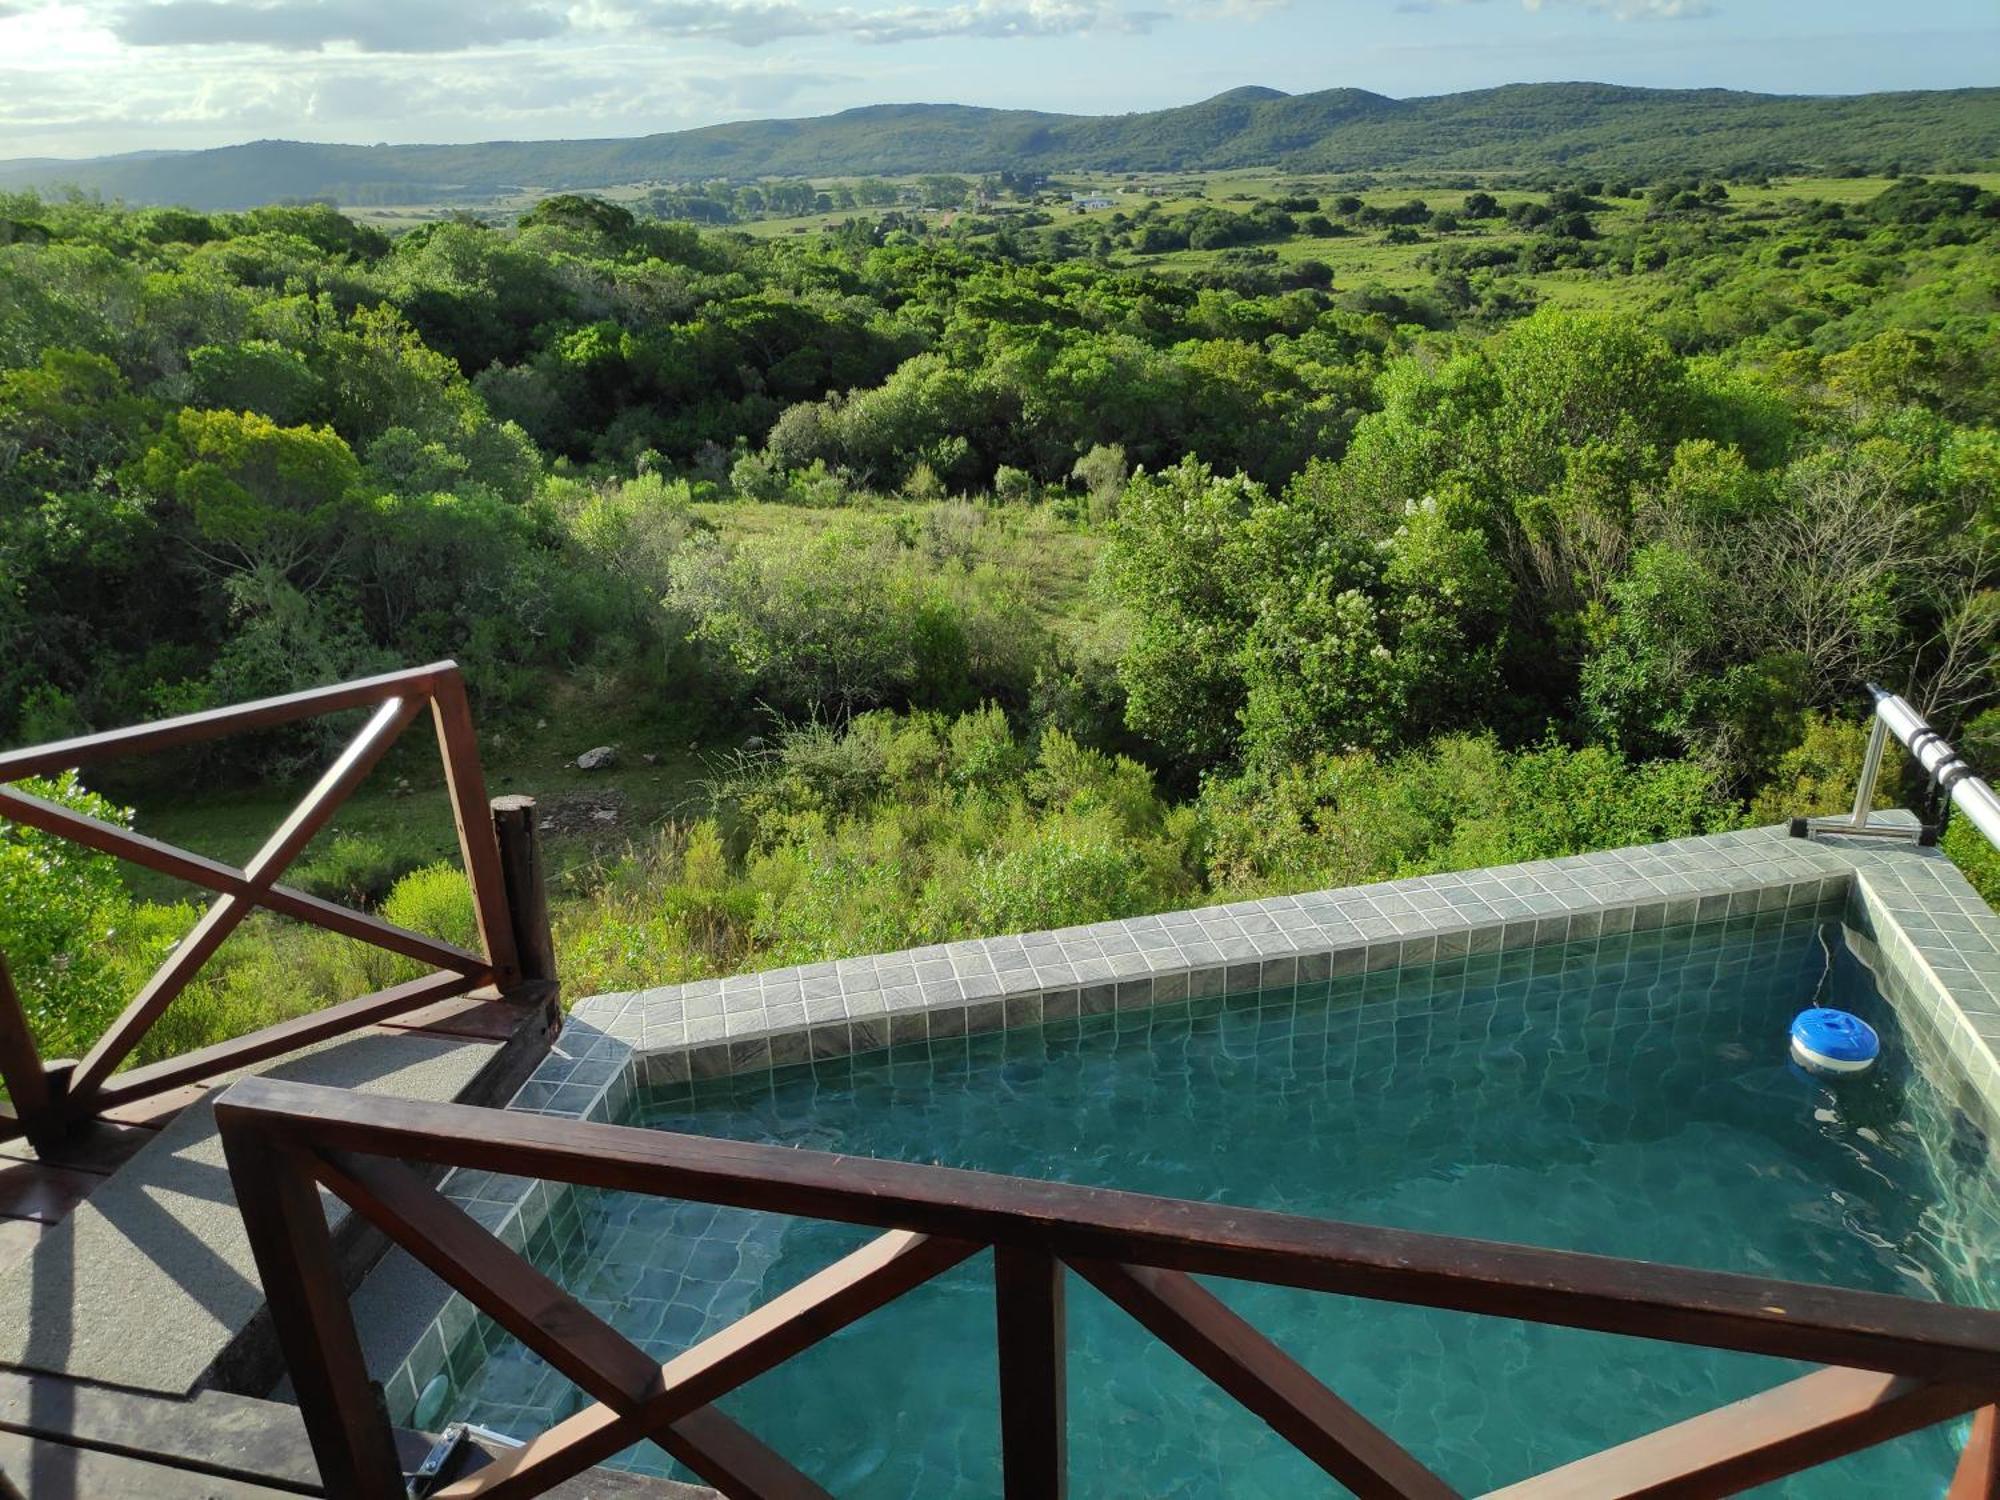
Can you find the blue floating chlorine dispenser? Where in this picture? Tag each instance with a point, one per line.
(1833, 1043)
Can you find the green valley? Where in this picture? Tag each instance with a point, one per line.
(993, 554)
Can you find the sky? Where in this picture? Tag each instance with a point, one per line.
(92, 77)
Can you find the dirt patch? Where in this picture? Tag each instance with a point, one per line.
(584, 812)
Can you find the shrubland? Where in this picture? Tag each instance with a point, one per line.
(993, 578)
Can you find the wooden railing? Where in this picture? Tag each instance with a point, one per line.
(50, 1098)
(1894, 1364)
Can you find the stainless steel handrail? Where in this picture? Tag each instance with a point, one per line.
(1969, 793)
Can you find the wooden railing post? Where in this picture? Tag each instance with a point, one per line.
(36, 1103)
(345, 1418)
(1978, 1476)
(1034, 1385)
(465, 785)
(518, 833)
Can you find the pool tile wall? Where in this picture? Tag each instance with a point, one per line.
(1934, 944)
(1910, 914)
(791, 1015)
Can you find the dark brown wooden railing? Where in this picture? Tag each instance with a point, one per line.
(50, 1098)
(1894, 1364)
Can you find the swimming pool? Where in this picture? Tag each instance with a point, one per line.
(1627, 1096)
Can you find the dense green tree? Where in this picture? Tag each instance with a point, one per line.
(262, 498)
(579, 212)
(254, 375)
(1176, 560)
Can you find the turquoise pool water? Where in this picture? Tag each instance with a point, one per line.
(1628, 1097)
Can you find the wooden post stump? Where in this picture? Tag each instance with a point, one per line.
(518, 833)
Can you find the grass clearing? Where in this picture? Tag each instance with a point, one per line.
(401, 808)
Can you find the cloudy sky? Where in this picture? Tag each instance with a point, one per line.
(82, 77)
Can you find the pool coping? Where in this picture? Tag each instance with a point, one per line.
(1910, 913)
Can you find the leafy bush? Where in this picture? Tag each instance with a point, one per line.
(436, 901)
(1058, 879)
(1968, 848)
(65, 921)
(1013, 486)
(629, 533)
(269, 971)
(354, 870)
(904, 829)
(900, 829)
(1276, 627)
(1818, 776)
(852, 620)
(1460, 803)
(1102, 472)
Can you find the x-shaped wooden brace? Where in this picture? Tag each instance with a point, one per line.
(1805, 1422)
(1196, 1324)
(239, 893)
(213, 875)
(637, 1398)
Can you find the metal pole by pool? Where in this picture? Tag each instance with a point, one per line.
(1871, 771)
(1968, 792)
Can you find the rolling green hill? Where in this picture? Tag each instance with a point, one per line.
(1588, 126)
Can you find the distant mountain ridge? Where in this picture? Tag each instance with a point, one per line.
(1585, 126)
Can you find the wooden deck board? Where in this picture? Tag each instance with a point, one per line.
(149, 1282)
(161, 1109)
(236, 1437)
(36, 1470)
(481, 1020)
(72, 1439)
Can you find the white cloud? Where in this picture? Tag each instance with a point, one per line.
(1622, 10)
(433, 26)
(1634, 10)
(369, 25)
(757, 23)
(355, 97)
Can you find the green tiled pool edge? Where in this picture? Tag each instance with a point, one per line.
(1909, 913)
(1930, 938)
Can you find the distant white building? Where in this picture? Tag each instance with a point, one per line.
(1084, 202)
